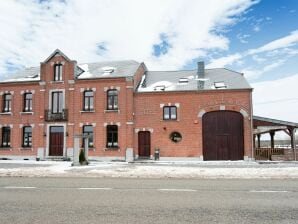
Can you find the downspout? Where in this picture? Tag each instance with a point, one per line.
(252, 127)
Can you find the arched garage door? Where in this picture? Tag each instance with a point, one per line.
(223, 136)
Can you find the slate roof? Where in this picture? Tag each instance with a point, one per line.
(109, 69)
(154, 80)
(99, 69)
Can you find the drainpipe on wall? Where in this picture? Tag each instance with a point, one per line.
(251, 128)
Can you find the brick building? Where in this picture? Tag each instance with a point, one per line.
(197, 114)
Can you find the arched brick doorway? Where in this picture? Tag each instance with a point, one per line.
(223, 136)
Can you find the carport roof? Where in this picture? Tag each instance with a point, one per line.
(264, 121)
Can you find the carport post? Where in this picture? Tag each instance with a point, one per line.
(294, 146)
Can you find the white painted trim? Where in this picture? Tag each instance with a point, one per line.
(244, 113)
(222, 107)
(201, 113)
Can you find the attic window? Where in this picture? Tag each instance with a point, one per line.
(160, 88)
(220, 85)
(183, 80)
(108, 69)
(32, 76)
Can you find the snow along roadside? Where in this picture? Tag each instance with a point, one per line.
(124, 170)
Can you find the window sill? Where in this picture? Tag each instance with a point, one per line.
(26, 112)
(112, 111)
(87, 111)
(4, 148)
(57, 82)
(25, 148)
(6, 113)
(89, 148)
(169, 120)
(112, 149)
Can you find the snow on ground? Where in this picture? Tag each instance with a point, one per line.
(204, 170)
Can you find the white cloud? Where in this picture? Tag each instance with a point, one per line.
(284, 42)
(128, 29)
(223, 61)
(277, 99)
(255, 73)
(279, 48)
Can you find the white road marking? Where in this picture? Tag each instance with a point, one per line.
(18, 187)
(172, 189)
(267, 191)
(95, 188)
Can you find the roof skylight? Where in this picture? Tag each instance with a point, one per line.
(108, 69)
(160, 88)
(220, 85)
(183, 80)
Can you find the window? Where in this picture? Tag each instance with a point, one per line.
(88, 130)
(7, 102)
(57, 102)
(112, 99)
(112, 136)
(5, 137)
(27, 136)
(27, 102)
(58, 72)
(88, 100)
(170, 113)
(175, 136)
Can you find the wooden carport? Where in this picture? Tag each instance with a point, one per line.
(263, 125)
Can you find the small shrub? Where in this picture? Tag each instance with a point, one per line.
(82, 158)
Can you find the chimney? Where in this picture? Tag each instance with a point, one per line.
(201, 74)
(201, 70)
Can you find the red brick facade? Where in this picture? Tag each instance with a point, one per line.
(136, 112)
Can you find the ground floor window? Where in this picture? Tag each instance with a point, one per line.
(88, 130)
(27, 136)
(5, 137)
(112, 136)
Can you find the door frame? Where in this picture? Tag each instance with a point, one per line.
(48, 137)
(149, 145)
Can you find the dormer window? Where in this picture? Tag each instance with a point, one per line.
(58, 72)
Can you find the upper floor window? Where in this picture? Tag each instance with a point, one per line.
(112, 136)
(27, 136)
(170, 113)
(57, 102)
(58, 72)
(112, 99)
(88, 130)
(7, 102)
(5, 137)
(88, 100)
(27, 102)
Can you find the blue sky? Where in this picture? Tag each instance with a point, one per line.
(256, 37)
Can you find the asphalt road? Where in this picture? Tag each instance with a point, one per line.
(91, 200)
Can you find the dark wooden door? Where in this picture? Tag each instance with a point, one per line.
(144, 143)
(223, 136)
(56, 141)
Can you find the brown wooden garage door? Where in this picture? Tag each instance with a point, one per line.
(223, 136)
